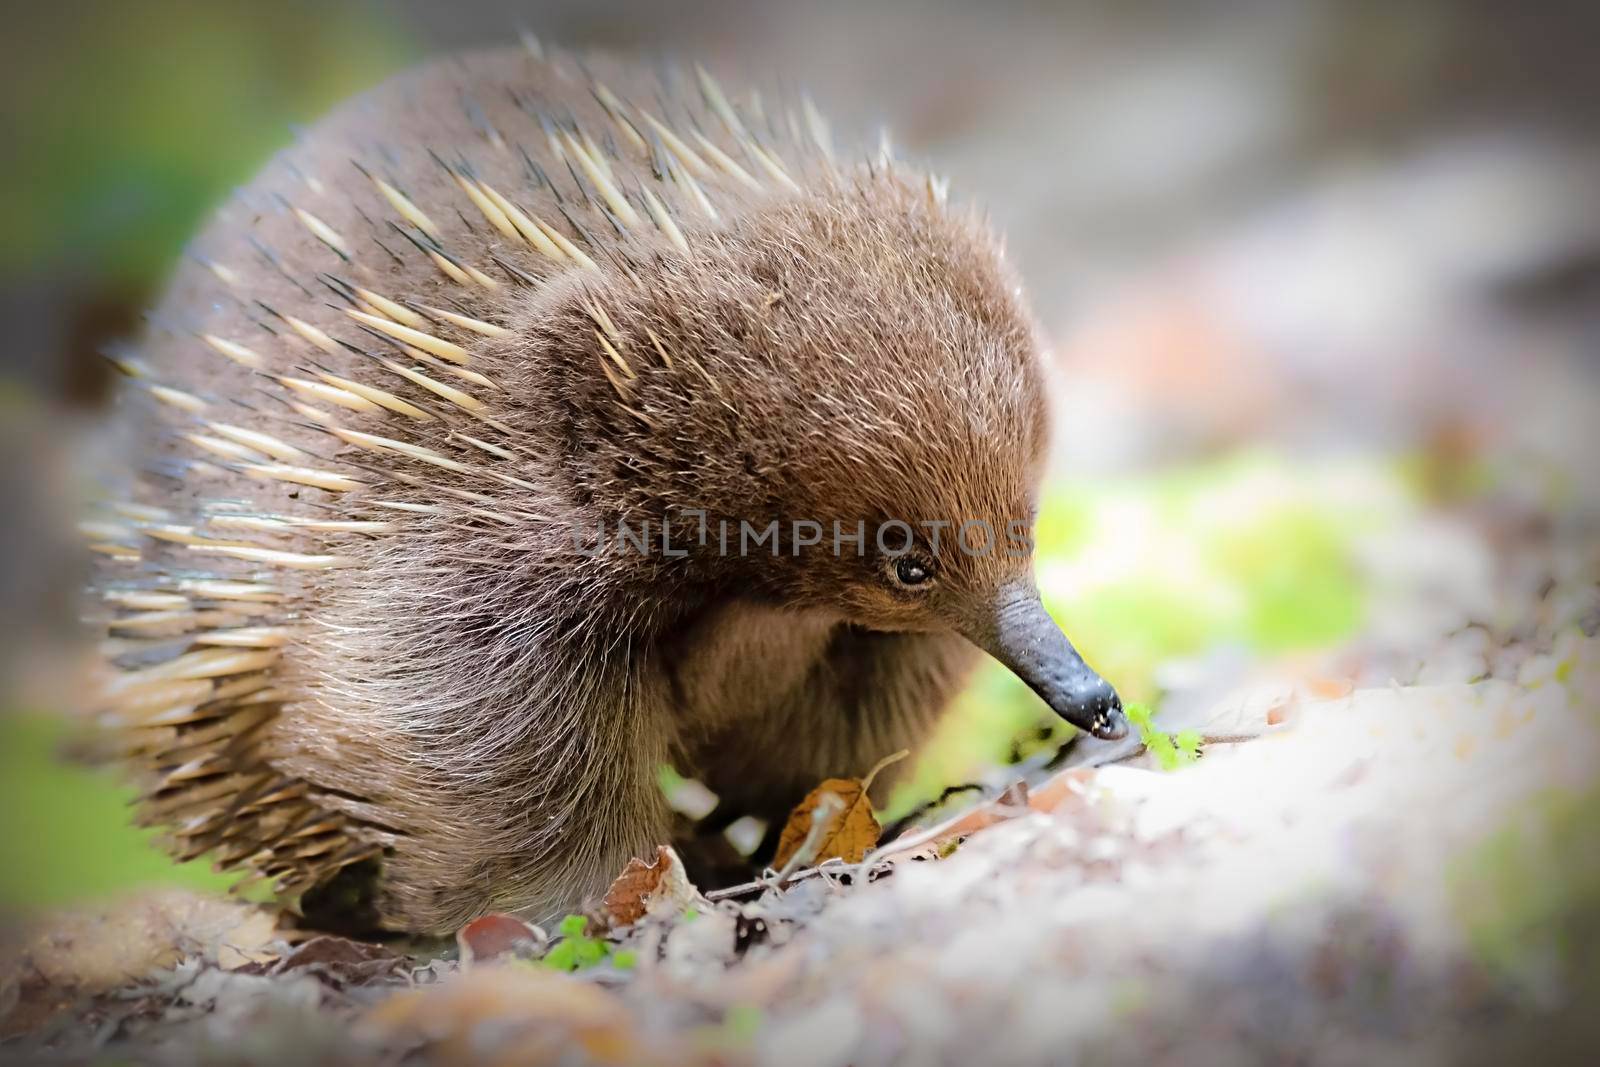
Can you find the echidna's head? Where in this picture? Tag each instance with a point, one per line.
(836, 402)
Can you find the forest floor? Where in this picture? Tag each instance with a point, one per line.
(1385, 851)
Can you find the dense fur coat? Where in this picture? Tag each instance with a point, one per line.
(496, 300)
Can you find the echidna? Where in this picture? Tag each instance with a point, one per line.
(366, 595)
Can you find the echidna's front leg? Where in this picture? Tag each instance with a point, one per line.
(508, 772)
(865, 695)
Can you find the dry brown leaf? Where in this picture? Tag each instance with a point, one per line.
(852, 830)
(849, 833)
(659, 888)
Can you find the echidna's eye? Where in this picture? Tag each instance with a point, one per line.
(912, 572)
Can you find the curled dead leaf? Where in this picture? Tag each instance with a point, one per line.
(658, 888)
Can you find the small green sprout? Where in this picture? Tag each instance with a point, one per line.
(1171, 751)
(577, 950)
(563, 957)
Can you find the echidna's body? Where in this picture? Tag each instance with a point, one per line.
(487, 304)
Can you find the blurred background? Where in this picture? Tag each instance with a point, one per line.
(1322, 280)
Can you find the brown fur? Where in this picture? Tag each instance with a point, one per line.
(467, 697)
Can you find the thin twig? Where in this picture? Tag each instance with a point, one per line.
(772, 882)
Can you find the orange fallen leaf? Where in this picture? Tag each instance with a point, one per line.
(848, 832)
(655, 888)
(1015, 802)
(1329, 688)
(1055, 791)
(852, 829)
(1008, 805)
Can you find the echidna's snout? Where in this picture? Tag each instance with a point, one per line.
(1021, 635)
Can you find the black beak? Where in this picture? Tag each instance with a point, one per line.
(1022, 635)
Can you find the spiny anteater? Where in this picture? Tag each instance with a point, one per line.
(365, 593)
